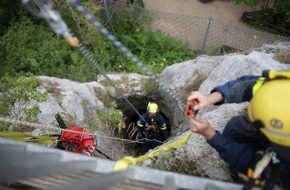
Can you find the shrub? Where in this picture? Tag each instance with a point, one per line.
(30, 48)
(17, 94)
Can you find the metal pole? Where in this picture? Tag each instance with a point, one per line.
(206, 34)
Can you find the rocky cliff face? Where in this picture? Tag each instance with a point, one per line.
(81, 100)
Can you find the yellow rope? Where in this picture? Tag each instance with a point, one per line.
(124, 163)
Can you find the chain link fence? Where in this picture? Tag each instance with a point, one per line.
(205, 35)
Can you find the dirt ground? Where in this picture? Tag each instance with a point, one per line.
(221, 10)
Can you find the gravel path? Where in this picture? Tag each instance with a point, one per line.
(220, 10)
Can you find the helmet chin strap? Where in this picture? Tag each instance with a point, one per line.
(247, 127)
(257, 124)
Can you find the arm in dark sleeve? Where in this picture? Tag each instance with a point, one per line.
(141, 124)
(238, 156)
(239, 89)
(163, 128)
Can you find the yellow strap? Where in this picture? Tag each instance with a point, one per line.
(283, 74)
(258, 85)
(124, 163)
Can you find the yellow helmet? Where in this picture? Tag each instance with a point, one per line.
(271, 106)
(152, 108)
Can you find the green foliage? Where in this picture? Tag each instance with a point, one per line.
(17, 94)
(177, 162)
(29, 45)
(249, 2)
(156, 50)
(281, 9)
(153, 49)
(112, 118)
(30, 48)
(110, 121)
(162, 160)
(9, 11)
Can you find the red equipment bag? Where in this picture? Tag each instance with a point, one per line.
(79, 142)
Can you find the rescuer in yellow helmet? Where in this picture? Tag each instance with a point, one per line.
(152, 108)
(264, 128)
(271, 107)
(152, 128)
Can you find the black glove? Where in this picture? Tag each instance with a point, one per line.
(141, 136)
(149, 128)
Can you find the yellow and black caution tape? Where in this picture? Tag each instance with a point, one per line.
(125, 162)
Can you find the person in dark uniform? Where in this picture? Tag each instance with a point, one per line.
(151, 128)
(264, 128)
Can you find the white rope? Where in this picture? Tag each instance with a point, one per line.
(45, 127)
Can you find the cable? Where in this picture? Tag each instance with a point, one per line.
(90, 58)
(45, 10)
(76, 5)
(55, 129)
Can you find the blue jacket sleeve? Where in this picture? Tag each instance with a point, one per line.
(163, 128)
(237, 90)
(141, 124)
(238, 156)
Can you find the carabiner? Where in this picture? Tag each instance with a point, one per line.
(189, 111)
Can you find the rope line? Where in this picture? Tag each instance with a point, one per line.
(125, 162)
(59, 27)
(77, 6)
(90, 58)
(55, 129)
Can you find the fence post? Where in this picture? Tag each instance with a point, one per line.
(106, 10)
(206, 34)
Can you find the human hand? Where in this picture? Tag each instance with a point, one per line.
(204, 100)
(202, 127)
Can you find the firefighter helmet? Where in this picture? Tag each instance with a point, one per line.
(152, 108)
(271, 107)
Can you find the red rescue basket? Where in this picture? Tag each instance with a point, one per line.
(80, 141)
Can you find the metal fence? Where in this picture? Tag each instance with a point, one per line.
(206, 34)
